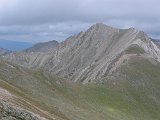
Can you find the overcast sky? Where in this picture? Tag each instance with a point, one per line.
(44, 20)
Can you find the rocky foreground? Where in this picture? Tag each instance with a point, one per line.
(8, 112)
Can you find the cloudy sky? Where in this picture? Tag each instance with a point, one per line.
(44, 20)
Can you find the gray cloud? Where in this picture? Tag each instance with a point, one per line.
(40, 20)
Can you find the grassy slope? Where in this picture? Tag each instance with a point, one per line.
(134, 96)
(24, 84)
(134, 49)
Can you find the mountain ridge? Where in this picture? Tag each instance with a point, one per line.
(91, 52)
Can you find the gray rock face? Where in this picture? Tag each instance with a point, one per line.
(43, 47)
(157, 42)
(89, 56)
(10, 113)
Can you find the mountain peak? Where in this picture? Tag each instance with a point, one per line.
(101, 25)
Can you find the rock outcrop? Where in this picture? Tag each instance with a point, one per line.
(8, 112)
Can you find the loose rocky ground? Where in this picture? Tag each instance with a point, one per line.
(8, 112)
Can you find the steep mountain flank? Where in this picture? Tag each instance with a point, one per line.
(90, 55)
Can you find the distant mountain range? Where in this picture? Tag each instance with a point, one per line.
(14, 45)
(43, 47)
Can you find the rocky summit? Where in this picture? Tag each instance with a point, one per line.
(103, 73)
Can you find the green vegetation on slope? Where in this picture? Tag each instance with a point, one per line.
(132, 97)
(134, 49)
